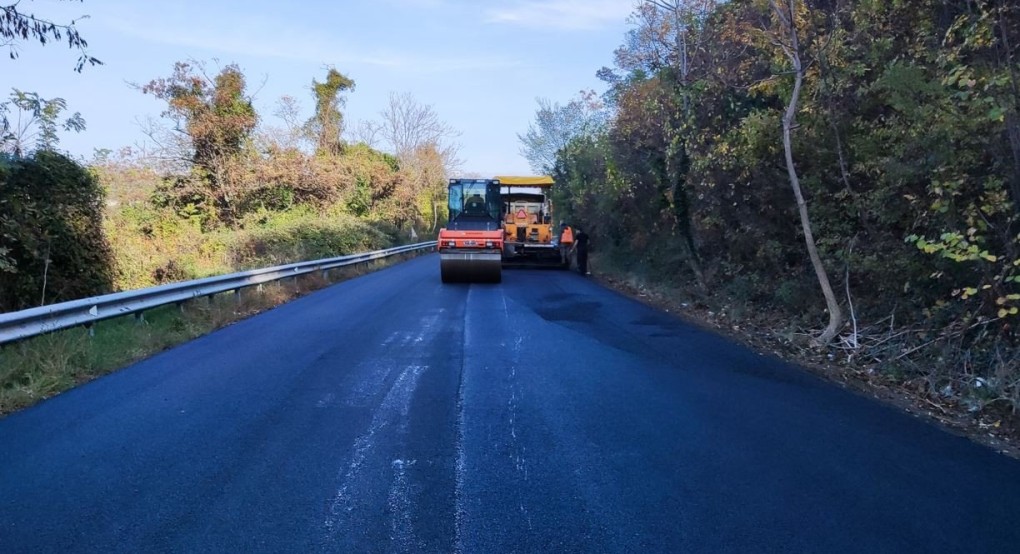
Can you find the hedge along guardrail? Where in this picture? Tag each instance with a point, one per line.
(15, 326)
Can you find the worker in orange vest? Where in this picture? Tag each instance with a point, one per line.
(566, 242)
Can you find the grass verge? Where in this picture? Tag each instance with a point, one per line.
(38, 368)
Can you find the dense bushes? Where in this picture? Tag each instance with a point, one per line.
(154, 245)
(53, 247)
(241, 196)
(907, 142)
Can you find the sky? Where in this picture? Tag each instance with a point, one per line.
(481, 64)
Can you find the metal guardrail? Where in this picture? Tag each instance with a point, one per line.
(45, 319)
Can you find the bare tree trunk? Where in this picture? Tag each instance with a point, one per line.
(682, 217)
(1013, 113)
(1013, 130)
(844, 171)
(45, 276)
(789, 118)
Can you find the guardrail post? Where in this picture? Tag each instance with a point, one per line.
(237, 295)
(140, 318)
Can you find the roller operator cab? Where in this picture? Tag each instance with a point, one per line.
(471, 245)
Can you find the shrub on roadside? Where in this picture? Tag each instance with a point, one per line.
(53, 244)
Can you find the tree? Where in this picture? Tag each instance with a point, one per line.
(327, 123)
(37, 121)
(556, 125)
(661, 51)
(293, 133)
(216, 119)
(16, 26)
(366, 132)
(427, 170)
(54, 246)
(424, 144)
(585, 189)
(895, 125)
(408, 125)
(213, 113)
(785, 36)
(685, 22)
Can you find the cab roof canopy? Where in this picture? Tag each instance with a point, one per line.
(526, 181)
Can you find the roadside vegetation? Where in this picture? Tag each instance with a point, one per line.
(837, 181)
(215, 189)
(841, 177)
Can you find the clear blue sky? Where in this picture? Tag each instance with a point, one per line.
(479, 63)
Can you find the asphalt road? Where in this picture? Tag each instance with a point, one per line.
(392, 413)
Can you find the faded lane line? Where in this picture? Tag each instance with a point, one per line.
(398, 347)
(508, 390)
(518, 452)
(403, 537)
(458, 514)
(389, 419)
(392, 411)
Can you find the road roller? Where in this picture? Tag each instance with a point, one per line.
(471, 244)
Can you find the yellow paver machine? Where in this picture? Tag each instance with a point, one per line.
(531, 233)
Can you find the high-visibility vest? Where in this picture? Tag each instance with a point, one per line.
(567, 235)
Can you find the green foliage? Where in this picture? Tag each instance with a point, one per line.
(234, 200)
(327, 123)
(907, 144)
(231, 175)
(16, 26)
(302, 235)
(154, 244)
(37, 119)
(214, 120)
(54, 247)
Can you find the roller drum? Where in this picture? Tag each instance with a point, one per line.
(471, 267)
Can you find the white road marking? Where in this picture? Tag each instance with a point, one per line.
(392, 411)
(396, 347)
(400, 505)
(458, 491)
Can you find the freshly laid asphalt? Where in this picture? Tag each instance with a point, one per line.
(392, 413)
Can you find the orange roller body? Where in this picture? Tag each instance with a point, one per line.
(471, 245)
